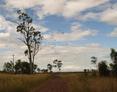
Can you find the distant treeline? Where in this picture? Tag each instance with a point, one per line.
(23, 67)
(104, 69)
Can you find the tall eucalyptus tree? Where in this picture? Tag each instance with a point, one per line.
(30, 37)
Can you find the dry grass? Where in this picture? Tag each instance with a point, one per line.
(20, 83)
(80, 83)
(77, 82)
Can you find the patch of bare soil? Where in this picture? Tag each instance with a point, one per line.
(55, 84)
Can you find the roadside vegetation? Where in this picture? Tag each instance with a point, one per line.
(20, 83)
(77, 82)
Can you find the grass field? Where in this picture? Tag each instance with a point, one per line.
(77, 82)
(80, 83)
(20, 83)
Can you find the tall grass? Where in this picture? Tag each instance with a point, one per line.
(20, 83)
(76, 82)
(80, 83)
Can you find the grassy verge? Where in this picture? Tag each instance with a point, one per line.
(20, 83)
(80, 83)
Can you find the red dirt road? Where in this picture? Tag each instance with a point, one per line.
(55, 84)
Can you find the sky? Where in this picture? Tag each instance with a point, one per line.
(73, 31)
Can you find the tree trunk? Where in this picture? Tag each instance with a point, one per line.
(30, 60)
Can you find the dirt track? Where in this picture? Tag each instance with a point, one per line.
(55, 84)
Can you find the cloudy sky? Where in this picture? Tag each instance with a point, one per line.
(73, 30)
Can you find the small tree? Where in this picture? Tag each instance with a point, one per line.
(18, 66)
(30, 37)
(85, 72)
(113, 55)
(103, 68)
(49, 67)
(58, 64)
(94, 61)
(23, 67)
(8, 67)
(38, 70)
(113, 65)
(113, 69)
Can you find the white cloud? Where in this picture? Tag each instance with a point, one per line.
(53, 6)
(3, 23)
(73, 7)
(68, 36)
(89, 16)
(8, 36)
(109, 16)
(4, 35)
(22, 3)
(76, 33)
(70, 55)
(40, 28)
(94, 45)
(69, 8)
(8, 31)
(66, 8)
(2, 45)
(114, 33)
(77, 56)
(6, 25)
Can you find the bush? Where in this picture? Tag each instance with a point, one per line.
(103, 68)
